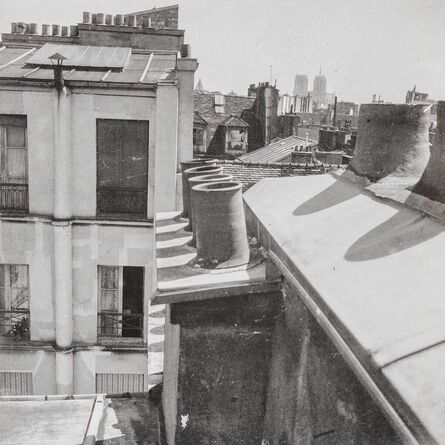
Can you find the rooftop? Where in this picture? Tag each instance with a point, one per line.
(375, 271)
(103, 65)
(75, 420)
(277, 151)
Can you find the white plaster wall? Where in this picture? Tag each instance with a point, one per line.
(42, 364)
(89, 363)
(32, 243)
(38, 106)
(103, 245)
(86, 108)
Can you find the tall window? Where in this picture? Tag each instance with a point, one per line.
(13, 163)
(14, 300)
(120, 301)
(122, 167)
(219, 102)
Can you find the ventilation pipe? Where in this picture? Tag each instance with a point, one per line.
(191, 173)
(202, 180)
(392, 139)
(432, 184)
(185, 165)
(221, 235)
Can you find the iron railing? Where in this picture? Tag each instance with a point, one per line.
(14, 324)
(113, 200)
(117, 324)
(14, 197)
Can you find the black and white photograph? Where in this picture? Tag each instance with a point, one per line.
(222, 222)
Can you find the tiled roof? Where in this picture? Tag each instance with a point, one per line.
(198, 119)
(139, 69)
(233, 105)
(248, 173)
(234, 121)
(277, 151)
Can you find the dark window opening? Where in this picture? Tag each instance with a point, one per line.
(121, 301)
(122, 167)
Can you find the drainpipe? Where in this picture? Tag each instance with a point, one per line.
(63, 239)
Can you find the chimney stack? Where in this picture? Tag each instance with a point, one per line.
(432, 184)
(392, 139)
(191, 173)
(221, 235)
(185, 165)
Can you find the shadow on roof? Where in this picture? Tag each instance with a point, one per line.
(335, 194)
(402, 231)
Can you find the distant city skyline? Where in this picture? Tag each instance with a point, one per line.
(364, 48)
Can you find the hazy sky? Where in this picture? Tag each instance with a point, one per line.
(364, 47)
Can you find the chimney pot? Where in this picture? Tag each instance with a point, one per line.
(64, 31)
(57, 30)
(392, 139)
(13, 27)
(185, 165)
(100, 18)
(190, 173)
(119, 20)
(34, 28)
(196, 180)
(46, 30)
(126, 19)
(431, 183)
(186, 51)
(145, 22)
(26, 28)
(21, 27)
(132, 20)
(86, 17)
(74, 30)
(221, 235)
(94, 19)
(108, 19)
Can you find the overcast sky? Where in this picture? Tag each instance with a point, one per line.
(363, 46)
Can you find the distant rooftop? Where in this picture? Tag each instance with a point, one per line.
(278, 150)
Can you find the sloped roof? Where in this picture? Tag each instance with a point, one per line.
(276, 151)
(198, 119)
(141, 69)
(234, 121)
(374, 266)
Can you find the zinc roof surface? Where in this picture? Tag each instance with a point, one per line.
(276, 151)
(22, 63)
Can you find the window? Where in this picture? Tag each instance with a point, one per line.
(13, 165)
(237, 139)
(199, 140)
(120, 301)
(122, 167)
(14, 300)
(219, 101)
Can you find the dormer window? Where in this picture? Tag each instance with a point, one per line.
(219, 103)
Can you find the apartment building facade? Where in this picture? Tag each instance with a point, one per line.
(90, 140)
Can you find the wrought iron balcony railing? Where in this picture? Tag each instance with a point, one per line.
(14, 197)
(14, 324)
(117, 324)
(118, 201)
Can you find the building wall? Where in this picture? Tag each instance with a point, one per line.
(85, 109)
(313, 396)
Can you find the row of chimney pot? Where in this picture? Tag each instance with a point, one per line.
(46, 30)
(118, 20)
(213, 203)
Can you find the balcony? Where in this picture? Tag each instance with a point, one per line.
(120, 325)
(124, 202)
(14, 197)
(14, 324)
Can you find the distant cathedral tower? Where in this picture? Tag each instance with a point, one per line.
(319, 91)
(300, 85)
